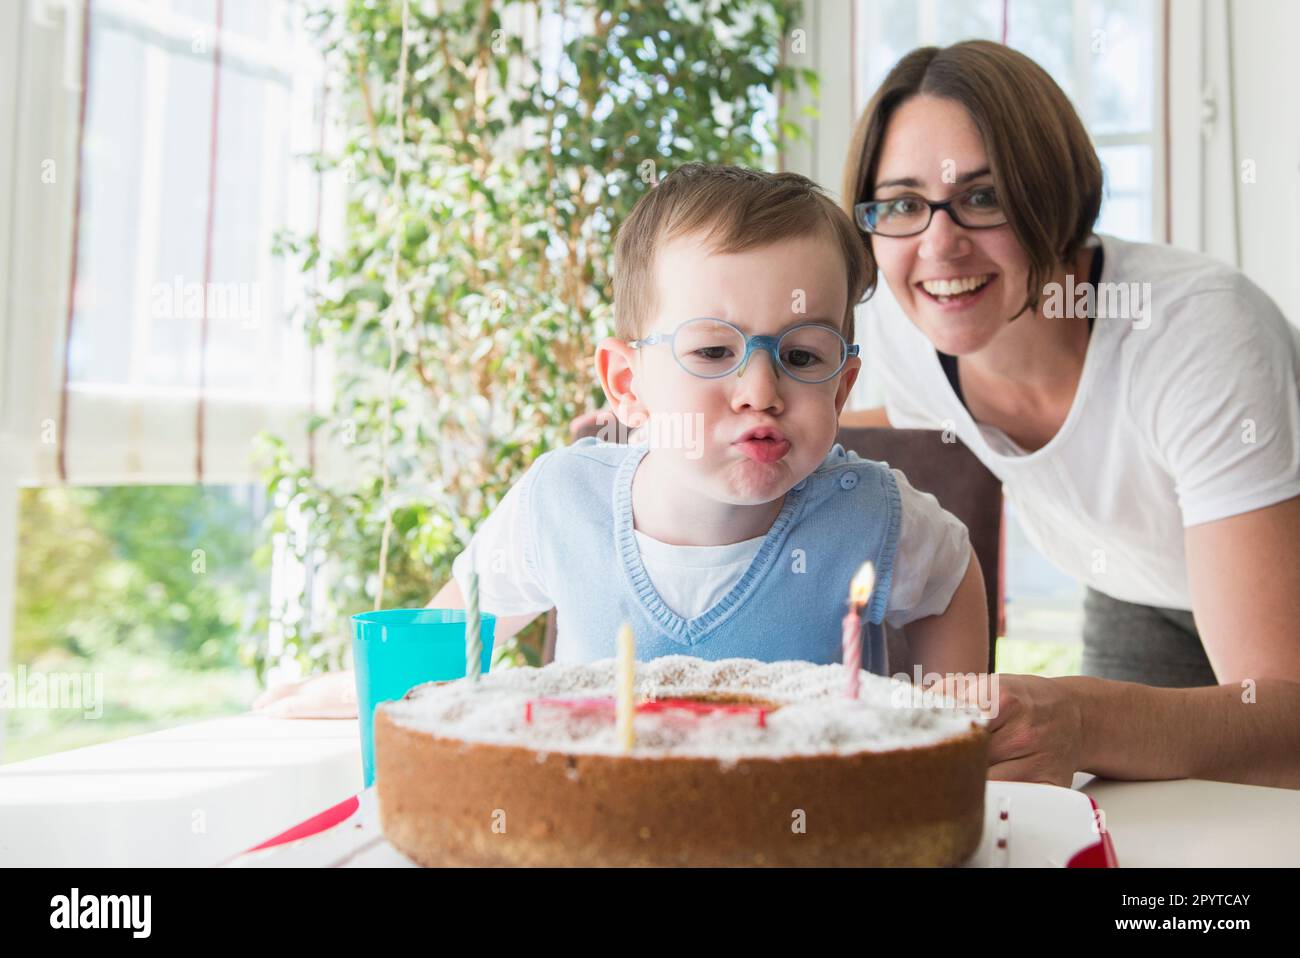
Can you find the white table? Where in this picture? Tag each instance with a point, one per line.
(1194, 823)
(193, 795)
(199, 794)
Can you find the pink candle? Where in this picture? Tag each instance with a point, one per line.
(859, 596)
(852, 641)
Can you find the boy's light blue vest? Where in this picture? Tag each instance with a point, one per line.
(788, 604)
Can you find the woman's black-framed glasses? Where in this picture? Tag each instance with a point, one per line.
(976, 209)
(712, 348)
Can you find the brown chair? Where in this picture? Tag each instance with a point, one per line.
(954, 475)
(948, 471)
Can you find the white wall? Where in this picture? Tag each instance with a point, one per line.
(1235, 158)
(10, 20)
(1266, 95)
(829, 51)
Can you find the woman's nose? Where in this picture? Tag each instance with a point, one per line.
(943, 239)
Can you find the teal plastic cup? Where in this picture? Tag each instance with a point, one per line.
(395, 650)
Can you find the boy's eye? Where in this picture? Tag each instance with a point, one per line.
(711, 352)
(801, 358)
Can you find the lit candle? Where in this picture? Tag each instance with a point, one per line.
(473, 640)
(859, 596)
(626, 686)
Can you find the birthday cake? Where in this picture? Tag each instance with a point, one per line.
(734, 762)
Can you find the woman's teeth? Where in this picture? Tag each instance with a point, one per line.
(945, 289)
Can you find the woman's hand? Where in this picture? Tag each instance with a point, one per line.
(1036, 725)
(332, 696)
(1037, 729)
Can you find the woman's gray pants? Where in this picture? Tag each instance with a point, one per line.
(1142, 643)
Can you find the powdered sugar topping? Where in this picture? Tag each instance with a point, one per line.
(815, 716)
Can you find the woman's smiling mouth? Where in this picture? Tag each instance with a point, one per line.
(955, 292)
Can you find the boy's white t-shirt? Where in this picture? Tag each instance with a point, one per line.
(1184, 415)
(930, 561)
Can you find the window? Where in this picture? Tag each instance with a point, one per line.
(145, 170)
(192, 160)
(193, 157)
(136, 607)
(1101, 52)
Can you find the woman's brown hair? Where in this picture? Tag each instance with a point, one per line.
(1044, 166)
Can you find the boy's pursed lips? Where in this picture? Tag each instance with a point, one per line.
(763, 443)
(762, 432)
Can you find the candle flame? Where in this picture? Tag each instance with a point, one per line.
(862, 584)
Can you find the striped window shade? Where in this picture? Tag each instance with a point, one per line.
(168, 333)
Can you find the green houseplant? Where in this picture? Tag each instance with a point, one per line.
(487, 177)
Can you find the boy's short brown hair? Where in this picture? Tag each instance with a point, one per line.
(736, 210)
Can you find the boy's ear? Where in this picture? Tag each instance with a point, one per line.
(615, 368)
(848, 376)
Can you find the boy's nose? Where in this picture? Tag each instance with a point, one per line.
(756, 384)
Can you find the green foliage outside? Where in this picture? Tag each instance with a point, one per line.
(151, 587)
(164, 571)
(1027, 657)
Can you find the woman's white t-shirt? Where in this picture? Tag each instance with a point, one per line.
(1187, 411)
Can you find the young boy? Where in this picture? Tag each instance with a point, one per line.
(731, 525)
(736, 528)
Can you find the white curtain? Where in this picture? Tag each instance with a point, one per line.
(185, 334)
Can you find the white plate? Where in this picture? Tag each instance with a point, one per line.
(1046, 827)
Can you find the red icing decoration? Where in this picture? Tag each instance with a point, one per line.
(607, 705)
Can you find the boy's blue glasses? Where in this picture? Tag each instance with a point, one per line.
(712, 348)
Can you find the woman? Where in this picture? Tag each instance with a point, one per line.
(1139, 403)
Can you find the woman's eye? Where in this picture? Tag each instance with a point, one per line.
(983, 199)
(902, 207)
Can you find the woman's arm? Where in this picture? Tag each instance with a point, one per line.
(865, 417)
(956, 641)
(1244, 573)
